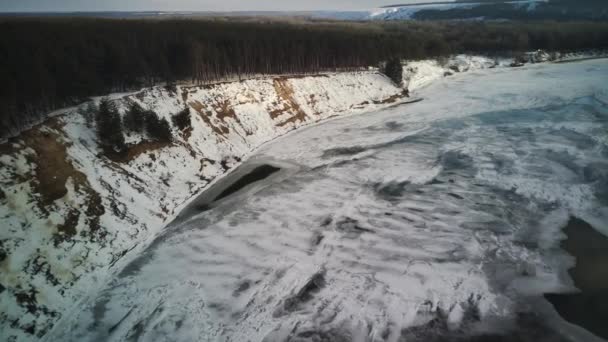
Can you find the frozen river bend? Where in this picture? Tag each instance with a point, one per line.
(433, 221)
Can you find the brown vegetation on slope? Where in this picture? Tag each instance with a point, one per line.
(53, 171)
(285, 93)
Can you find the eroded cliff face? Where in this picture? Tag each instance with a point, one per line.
(68, 213)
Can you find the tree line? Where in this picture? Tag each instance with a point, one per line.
(49, 63)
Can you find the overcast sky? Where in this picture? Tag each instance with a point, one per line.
(190, 5)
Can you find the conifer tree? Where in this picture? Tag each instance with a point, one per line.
(109, 128)
(182, 119)
(157, 129)
(394, 70)
(134, 119)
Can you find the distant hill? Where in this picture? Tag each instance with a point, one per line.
(451, 2)
(561, 10)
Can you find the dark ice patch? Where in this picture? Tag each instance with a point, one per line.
(511, 116)
(596, 171)
(3, 252)
(393, 125)
(243, 286)
(516, 133)
(342, 151)
(256, 175)
(597, 174)
(428, 138)
(301, 296)
(390, 190)
(566, 160)
(456, 196)
(317, 238)
(499, 226)
(579, 140)
(527, 327)
(436, 181)
(502, 164)
(351, 227)
(455, 160)
(589, 308)
(327, 221)
(437, 329)
(120, 321)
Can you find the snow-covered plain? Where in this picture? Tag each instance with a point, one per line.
(438, 219)
(407, 12)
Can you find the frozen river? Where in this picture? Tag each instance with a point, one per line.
(433, 221)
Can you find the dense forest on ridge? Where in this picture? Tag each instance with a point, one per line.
(51, 63)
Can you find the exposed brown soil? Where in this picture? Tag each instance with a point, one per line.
(187, 146)
(224, 110)
(68, 227)
(135, 150)
(51, 165)
(200, 109)
(285, 93)
(53, 169)
(187, 133)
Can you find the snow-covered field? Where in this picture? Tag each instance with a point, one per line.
(433, 221)
(69, 214)
(407, 12)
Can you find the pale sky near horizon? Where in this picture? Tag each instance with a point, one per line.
(192, 5)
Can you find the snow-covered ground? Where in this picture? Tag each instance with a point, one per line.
(432, 221)
(407, 12)
(69, 214)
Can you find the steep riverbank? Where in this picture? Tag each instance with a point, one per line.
(69, 213)
(435, 221)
